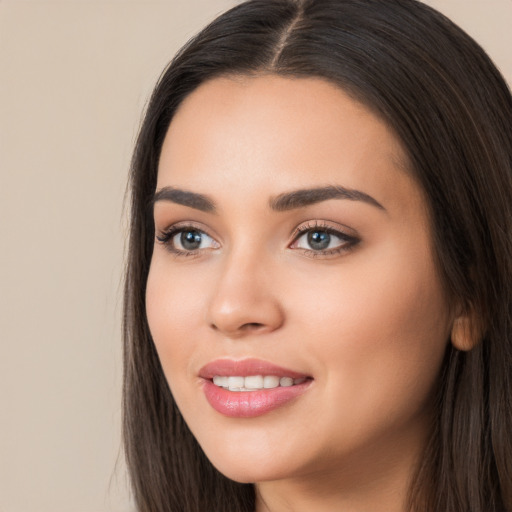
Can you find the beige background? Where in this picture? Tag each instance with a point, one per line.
(74, 77)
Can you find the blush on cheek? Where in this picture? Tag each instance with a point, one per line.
(393, 338)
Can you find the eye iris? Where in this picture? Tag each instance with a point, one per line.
(319, 240)
(190, 240)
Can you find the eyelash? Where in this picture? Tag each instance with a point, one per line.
(348, 242)
(165, 238)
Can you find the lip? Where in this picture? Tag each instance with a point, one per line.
(249, 404)
(246, 367)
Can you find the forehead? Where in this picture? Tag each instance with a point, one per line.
(240, 133)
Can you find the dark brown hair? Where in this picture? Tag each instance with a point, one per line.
(443, 97)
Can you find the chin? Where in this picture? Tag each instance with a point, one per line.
(245, 469)
(252, 475)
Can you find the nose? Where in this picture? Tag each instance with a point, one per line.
(245, 301)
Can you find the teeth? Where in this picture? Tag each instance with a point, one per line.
(270, 381)
(235, 383)
(254, 382)
(220, 380)
(286, 381)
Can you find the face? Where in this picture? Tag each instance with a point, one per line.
(293, 297)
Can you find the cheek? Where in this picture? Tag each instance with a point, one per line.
(379, 332)
(392, 295)
(172, 306)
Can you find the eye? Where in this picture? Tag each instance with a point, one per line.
(321, 240)
(186, 240)
(317, 240)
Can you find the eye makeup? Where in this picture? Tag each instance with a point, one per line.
(315, 238)
(319, 238)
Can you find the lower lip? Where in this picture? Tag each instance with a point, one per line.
(249, 404)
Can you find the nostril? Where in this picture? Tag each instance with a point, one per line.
(252, 326)
(235, 313)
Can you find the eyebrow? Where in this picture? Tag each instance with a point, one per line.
(185, 198)
(282, 202)
(306, 197)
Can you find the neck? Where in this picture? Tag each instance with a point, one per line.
(372, 479)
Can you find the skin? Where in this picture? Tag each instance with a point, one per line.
(368, 323)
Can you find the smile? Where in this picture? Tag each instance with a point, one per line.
(255, 382)
(250, 387)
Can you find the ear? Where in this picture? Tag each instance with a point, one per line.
(466, 331)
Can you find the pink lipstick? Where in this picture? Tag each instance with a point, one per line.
(250, 387)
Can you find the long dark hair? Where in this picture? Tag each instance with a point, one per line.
(443, 97)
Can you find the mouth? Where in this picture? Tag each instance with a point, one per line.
(255, 382)
(250, 387)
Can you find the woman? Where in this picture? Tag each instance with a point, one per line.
(318, 292)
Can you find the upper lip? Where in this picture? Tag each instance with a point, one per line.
(246, 367)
